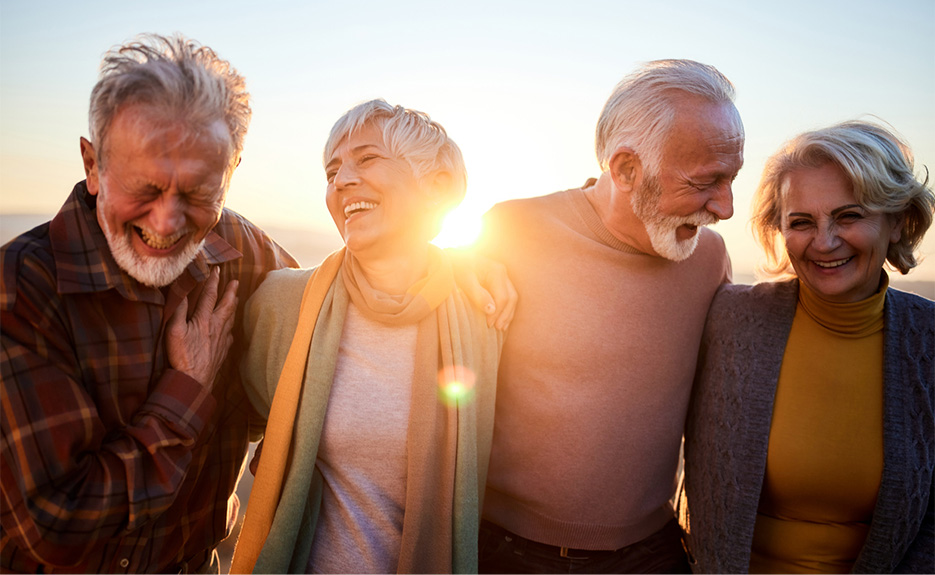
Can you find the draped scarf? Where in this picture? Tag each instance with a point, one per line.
(445, 475)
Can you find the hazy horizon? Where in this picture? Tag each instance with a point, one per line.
(311, 246)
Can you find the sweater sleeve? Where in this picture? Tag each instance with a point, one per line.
(270, 319)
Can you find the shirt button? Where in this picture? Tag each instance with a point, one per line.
(124, 563)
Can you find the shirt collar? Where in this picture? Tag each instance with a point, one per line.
(84, 263)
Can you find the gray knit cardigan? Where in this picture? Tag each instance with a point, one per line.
(727, 431)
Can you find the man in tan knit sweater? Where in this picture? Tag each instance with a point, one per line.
(615, 280)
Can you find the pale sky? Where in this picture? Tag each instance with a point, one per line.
(519, 85)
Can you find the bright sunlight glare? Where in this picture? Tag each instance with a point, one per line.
(461, 228)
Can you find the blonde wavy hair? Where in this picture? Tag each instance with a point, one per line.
(880, 168)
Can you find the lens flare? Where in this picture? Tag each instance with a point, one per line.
(455, 384)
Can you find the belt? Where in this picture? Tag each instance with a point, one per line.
(565, 552)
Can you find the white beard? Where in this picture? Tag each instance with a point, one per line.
(662, 229)
(152, 271)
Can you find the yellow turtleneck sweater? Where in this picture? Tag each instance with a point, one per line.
(825, 454)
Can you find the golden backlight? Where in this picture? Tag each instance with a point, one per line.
(461, 228)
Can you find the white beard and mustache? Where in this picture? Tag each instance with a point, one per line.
(662, 229)
(152, 271)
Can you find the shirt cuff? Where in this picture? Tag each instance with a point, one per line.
(181, 400)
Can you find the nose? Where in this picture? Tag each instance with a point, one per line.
(345, 176)
(167, 215)
(826, 238)
(721, 203)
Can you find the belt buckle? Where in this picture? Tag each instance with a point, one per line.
(563, 552)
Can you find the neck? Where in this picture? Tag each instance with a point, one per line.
(616, 213)
(395, 274)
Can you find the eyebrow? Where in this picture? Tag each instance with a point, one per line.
(355, 150)
(847, 207)
(834, 212)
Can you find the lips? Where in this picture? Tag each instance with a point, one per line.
(832, 264)
(686, 231)
(357, 207)
(158, 242)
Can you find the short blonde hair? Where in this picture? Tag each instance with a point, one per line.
(880, 168)
(409, 135)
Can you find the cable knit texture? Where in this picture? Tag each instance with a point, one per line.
(727, 432)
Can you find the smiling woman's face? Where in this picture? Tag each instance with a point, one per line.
(836, 246)
(375, 199)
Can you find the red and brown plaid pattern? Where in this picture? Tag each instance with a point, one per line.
(111, 461)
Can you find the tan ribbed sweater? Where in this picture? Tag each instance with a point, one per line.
(595, 375)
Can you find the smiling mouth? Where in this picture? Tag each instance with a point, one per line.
(834, 264)
(357, 207)
(158, 242)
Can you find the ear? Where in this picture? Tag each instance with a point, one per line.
(91, 166)
(626, 169)
(439, 185)
(898, 221)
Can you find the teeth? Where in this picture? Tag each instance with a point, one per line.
(357, 207)
(158, 242)
(834, 264)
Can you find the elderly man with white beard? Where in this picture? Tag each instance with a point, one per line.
(125, 427)
(615, 280)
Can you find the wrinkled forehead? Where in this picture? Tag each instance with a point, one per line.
(818, 183)
(160, 132)
(698, 121)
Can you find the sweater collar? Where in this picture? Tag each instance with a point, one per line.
(593, 220)
(854, 319)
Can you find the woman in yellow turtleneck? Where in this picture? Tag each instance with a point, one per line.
(810, 442)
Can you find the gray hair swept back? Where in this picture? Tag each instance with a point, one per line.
(175, 76)
(880, 169)
(410, 135)
(641, 109)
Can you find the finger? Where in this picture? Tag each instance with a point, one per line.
(470, 271)
(508, 311)
(229, 297)
(227, 325)
(226, 309)
(481, 299)
(502, 291)
(209, 295)
(222, 353)
(179, 318)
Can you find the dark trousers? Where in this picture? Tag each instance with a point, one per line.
(500, 551)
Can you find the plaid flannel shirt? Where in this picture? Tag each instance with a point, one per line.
(111, 461)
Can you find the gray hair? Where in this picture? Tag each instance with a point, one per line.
(177, 78)
(641, 109)
(880, 168)
(409, 135)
